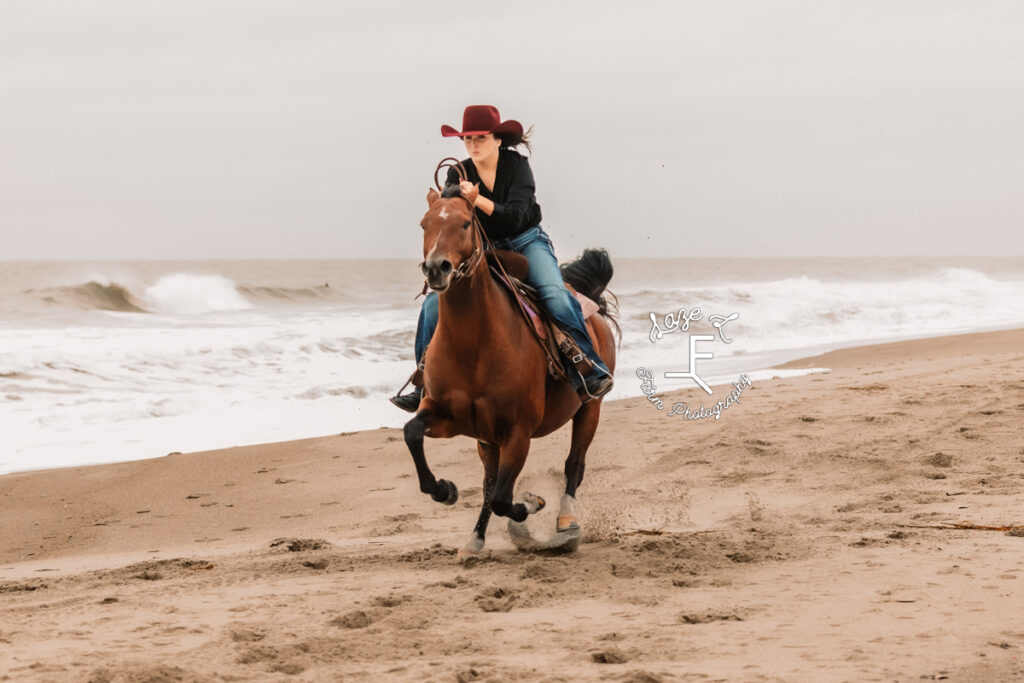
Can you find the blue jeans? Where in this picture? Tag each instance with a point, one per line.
(544, 275)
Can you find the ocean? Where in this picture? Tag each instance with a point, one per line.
(111, 361)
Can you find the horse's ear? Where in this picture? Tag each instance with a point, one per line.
(472, 194)
(433, 196)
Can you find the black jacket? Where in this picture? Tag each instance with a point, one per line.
(515, 204)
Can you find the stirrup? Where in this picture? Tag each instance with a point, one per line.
(599, 385)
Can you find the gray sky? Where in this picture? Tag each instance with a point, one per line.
(255, 129)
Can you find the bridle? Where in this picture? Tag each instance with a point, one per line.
(468, 266)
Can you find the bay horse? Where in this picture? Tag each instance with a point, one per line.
(485, 375)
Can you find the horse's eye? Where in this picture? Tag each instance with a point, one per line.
(465, 225)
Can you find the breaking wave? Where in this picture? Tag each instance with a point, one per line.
(187, 294)
(92, 295)
(180, 293)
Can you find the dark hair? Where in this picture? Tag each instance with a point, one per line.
(510, 140)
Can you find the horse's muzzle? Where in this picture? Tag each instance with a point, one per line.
(438, 273)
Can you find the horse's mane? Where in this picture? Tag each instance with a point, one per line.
(450, 191)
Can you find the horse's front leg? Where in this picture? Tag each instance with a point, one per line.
(510, 463)
(441, 490)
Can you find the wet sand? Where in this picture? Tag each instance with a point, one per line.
(805, 536)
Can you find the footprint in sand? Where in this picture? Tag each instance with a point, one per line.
(298, 545)
(708, 617)
(609, 656)
(316, 564)
(391, 600)
(939, 459)
(496, 599)
(354, 619)
(244, 634)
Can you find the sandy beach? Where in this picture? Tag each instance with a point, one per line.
(807, 535)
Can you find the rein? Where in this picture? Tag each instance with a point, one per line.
(467, 267)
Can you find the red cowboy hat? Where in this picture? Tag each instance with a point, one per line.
(481, 119)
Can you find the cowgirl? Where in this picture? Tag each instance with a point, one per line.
(510, 215)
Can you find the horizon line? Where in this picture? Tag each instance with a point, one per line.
(409, 258)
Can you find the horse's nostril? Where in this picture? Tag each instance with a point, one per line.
(446, 266)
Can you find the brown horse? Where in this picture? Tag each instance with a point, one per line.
(485, 375)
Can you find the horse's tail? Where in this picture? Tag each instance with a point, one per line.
(589, 275)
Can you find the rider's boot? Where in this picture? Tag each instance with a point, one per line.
(411, 402)
(590, 378)
(408, 402)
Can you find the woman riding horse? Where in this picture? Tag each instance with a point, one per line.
(508, 210)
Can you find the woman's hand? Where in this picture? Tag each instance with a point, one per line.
(480, 202)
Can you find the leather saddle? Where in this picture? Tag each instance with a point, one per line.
(556, 344)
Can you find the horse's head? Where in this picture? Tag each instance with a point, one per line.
(451, 247)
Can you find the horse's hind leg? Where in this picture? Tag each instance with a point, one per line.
(489, 454)
(584, 426)
(441, 490)
(510, 464)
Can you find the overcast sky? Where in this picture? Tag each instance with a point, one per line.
(255, 129)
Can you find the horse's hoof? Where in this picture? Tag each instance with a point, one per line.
(520, 535)
(569, 540)
(533, 502)
(467, 555)
(453, 492)
(566, 523)
(473, 548)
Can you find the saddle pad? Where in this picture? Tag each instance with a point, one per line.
(587, 304)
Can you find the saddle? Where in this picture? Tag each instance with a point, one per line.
(552, 339)
(556, 343)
